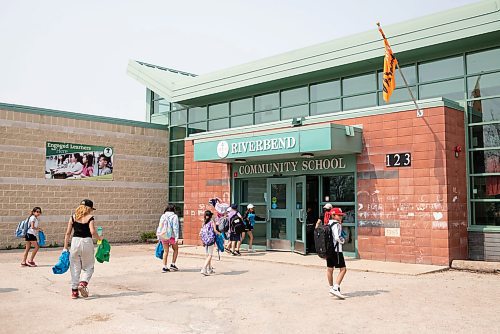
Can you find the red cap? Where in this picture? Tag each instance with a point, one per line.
(337, 211)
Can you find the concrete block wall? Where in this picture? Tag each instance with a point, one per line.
(126, 207)
(202, 181)
(414, 214)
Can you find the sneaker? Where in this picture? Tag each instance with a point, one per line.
(234, 254)
(31, 264)
(165, 270)
(82, 288)
(238, 253)
(336, 293)
(74, 294)
(204, 272)
(173, 267)
(228, 250)
(211, 271)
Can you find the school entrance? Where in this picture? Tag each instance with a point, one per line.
(288, 207)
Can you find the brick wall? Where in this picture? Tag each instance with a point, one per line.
(202, 181)
(424, 203)
(127, 206)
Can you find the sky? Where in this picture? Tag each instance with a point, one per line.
(73, 55)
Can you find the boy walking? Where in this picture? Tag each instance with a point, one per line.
(337, 261)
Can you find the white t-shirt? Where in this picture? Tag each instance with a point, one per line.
(337, 230)
(36, 222)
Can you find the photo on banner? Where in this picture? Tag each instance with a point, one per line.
(78, 161)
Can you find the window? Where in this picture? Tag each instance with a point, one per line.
(486, 213)
(176, 163)
(441, 69)
(178, 117)
(409, 73)
(218, 124)
(176, 194)
(483, 61)
(177, 147)
(267, 116)
(452, 89)
(482, 136)
(485, 110)
(243, 106)
(325, 107)
(398, 95)
(360, 101)
(177, 132)
(483, 85)
(268, 101)
(218, 110)
(297, 111)
(197, 127)
(359, 84)
(325, 90)
(197, 114)
(176, 178)
(163, 106)
(242, 120)
(294, 96)
(338, 188)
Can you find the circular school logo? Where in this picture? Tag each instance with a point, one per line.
(222, 149)
(108, 152)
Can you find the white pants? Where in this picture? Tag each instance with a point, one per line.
(81, 259)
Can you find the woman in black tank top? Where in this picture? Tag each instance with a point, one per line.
(82, 247)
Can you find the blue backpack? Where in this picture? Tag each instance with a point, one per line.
(159, 250)
(207, 234)
(22, 228)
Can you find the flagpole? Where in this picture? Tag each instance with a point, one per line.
(420, 112)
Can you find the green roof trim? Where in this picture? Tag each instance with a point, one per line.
(73, 115)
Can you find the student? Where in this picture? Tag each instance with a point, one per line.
(82, 247)
(31, 237)
(250, 217)
(88, 165)
(207, 268)
(169, 217)
(234, 235)
(103, 166)
(337, 261)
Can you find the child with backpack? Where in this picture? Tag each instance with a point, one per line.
(30, 237)
(336, 260)
(208, 234)
(249, 218)
(168, 234)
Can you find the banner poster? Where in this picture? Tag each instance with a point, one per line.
(78, 162)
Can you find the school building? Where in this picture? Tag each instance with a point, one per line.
(292, 132)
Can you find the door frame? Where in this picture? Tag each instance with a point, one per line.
(277, 243)
(299, 215)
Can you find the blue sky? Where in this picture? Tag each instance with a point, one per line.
(72, 56)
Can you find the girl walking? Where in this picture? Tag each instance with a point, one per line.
(81, 259)
(207, 268)
(32, 237)
(168, 233)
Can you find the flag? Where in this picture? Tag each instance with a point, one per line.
(390, 62)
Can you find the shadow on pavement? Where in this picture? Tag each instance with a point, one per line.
(364, 293)
(234, 272)
(4, 290)
(120, 294)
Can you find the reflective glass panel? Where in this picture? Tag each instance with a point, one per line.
(487, 161)
(360, 101)
(243, 106)
(441, 69)
(197, 127)
(242, 120)
(325, 90)
(176, 163)
(218, 110)
(482, 136)
(267, 101)
(359, 84)
(452, 89)
(485, 187)
(267, 116)
(483, 85)
(178, 117)
(278, 228)
(176, 178)
(176, 194)
(218, 124)
(297, 111)
(177, 147)
(325, 107)
(294, 96)
(398, 95)
(177, 132)
(278, 196)
(484, 110)
(197, 114)
(252, 191)
(483, 61)
(409, 73)
(339, 188)
(164, 107)
(486, 213)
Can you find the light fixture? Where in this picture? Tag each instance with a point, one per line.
(297, 121)
(307, 155)
(239, 161)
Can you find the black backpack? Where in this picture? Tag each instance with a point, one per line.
(323, 240)
(237, 224)
(223, 225)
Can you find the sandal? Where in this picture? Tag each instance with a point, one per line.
(31, 264)
(24, 264)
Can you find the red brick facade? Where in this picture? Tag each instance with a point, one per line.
(414, 214)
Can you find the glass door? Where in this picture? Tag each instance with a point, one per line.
(278, 199)
(299, 216)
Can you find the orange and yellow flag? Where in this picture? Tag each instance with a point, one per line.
(390, 62)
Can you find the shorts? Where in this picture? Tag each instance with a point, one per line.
(209, 250)
(248, 227)
(233, 236)
(336, 261)
(168, 242)
(30, 237)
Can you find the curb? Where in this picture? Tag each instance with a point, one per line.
(476, 266)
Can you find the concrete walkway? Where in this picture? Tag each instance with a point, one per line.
(314, 261)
